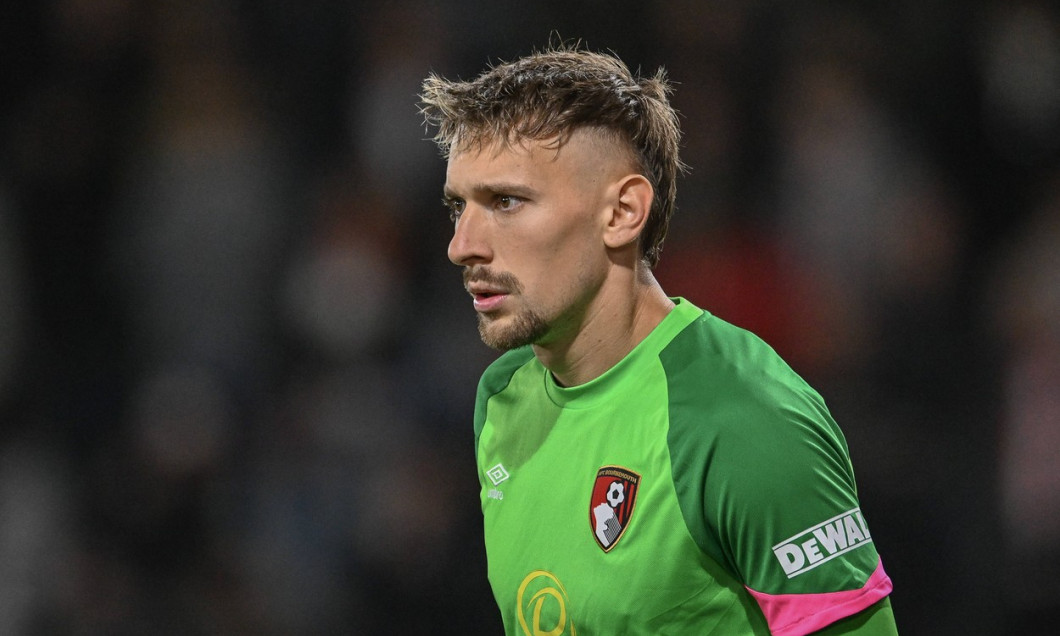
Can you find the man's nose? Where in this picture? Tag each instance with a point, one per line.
(470, 245)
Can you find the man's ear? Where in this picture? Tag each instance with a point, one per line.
(628, 217)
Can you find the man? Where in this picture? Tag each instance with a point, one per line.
(646, 468)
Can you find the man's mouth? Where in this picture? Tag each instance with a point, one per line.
(489, 289)
(488, 300)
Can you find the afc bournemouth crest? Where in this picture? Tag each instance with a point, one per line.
(614, 493)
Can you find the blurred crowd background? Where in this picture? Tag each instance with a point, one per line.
(237, 371)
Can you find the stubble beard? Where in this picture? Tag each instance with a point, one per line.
(524, 328)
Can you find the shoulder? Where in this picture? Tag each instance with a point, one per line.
(746, 433)
(731, 395)
(759, 464)
(499, 373)
(718, 370)
(496, 378)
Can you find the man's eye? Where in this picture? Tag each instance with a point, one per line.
(455, 207)
(506, 202)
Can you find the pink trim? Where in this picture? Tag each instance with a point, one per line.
(799, 614)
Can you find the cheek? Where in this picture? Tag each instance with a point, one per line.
(552, 257)
(569, 268)
(570, 241)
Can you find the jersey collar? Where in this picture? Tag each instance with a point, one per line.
(626, 370)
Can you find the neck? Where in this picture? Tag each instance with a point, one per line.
(615, 322)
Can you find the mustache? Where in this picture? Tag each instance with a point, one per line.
(501, 280)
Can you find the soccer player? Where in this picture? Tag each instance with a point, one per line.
(645, 467)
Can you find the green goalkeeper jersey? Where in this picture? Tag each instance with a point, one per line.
(699, 486)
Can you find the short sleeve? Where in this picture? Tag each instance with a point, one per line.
(766, 485)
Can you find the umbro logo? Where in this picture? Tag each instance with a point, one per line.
(497, 474)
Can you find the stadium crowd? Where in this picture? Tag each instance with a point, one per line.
(237, 370)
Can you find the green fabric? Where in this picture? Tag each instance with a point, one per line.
(712, 424)
(757, 458)
(877, 620)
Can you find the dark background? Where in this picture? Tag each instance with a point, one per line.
(237, 371)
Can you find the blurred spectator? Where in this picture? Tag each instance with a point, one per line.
(1025, 309)
(194, 245)
(36, 533)
(13, 307)
(1021, 75)
(398, 49)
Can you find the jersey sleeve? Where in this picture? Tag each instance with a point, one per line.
(766, 484)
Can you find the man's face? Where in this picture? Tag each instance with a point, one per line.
(528, 232)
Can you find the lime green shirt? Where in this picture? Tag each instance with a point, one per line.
(699, 486)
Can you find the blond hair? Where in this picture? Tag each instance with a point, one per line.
(548, 95)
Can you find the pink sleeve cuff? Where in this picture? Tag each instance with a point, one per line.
(799, 614)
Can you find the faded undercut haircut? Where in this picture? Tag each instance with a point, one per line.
(550, 94)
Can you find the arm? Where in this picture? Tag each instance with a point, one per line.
(767, 486)
(876, 620)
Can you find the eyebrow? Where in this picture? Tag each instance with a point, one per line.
(492, 189)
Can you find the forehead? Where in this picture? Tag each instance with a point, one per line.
(484, 167)
(584, 152)
(496, 148)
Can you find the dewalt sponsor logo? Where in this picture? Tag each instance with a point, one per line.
(822, 543)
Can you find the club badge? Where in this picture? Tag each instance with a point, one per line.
(611, 506)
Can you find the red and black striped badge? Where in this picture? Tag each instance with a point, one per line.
(611, 505)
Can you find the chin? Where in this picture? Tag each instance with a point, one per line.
(505, 334)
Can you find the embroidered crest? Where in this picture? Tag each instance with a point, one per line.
(611, 505)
